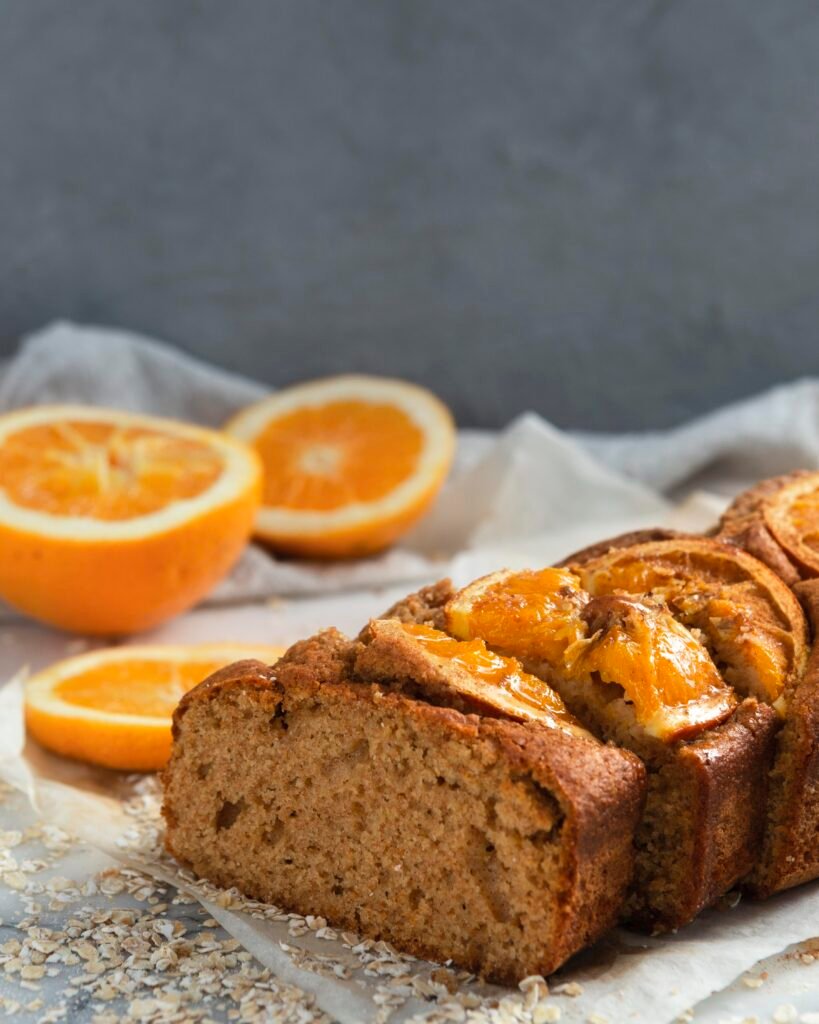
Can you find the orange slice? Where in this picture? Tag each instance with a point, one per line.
(113, 707)
(350, 463)
(534, 614)
(792, 515)
(111, 522)
(664, 671)
(549, 621)
(748, 617)
(490, 679)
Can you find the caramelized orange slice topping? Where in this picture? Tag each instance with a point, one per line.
(490, 679)
(667, 674)
(792, 516)
(748, 618)
(548, 620)
(534, 614)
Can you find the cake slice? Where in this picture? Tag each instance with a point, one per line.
(778, 521)
(398, 790)
(753, 622)
(673, 648)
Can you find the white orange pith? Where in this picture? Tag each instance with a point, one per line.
(557, 628)
(350, 463)
(113, 707)
(110, 522)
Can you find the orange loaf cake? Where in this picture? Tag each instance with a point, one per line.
(673, 648)
(412, 788)
(495, 775)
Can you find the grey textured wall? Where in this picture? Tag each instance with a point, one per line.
(608, 212)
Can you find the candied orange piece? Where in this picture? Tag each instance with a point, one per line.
(534, 614)
(548, 620)
(665, 672)
(491, 678)
(747, 616)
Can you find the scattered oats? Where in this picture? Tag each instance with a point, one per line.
(569, 988)
(685, 1017)
(807, 958)
(546, 1013)
(32, 972)
(532, 981)
(749, 982)
(597, 1018)
(111, 886)
(15, 880)
(785, 1014)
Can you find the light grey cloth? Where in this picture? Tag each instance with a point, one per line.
(726, 450)
(761, 436)
(101, 366)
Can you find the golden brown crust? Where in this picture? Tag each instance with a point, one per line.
(726, 771)
(790, 853)
(424, 606)
(246, 673)
(622, 540)
(598, 789)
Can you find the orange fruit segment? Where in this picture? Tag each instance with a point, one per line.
(113, 707)
(111, 522)
(492, 679)
(549, 621)
(350, 463)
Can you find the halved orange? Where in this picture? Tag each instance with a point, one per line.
(111, 522)
(350, 463)
(113, 707)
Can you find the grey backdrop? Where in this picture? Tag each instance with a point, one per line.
(608, 212)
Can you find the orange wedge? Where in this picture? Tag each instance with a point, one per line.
(350, 463)
(113, 707)
(111, 522)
